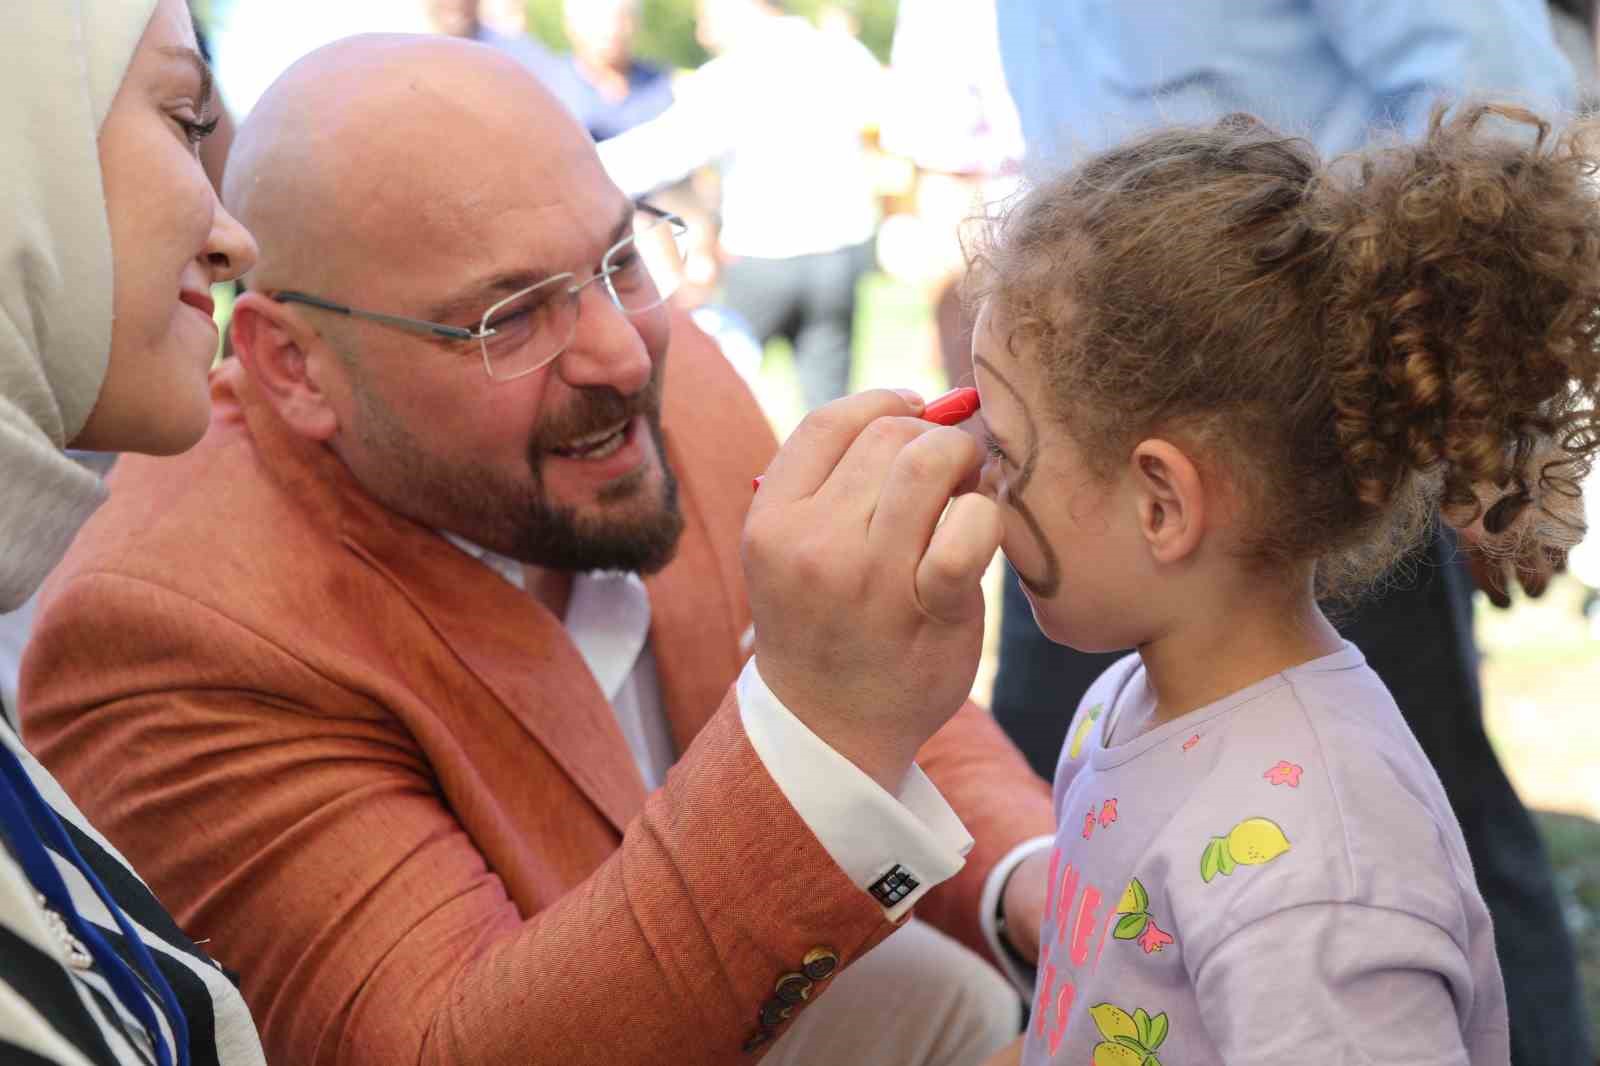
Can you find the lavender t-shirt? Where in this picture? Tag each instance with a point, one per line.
(1274, 878)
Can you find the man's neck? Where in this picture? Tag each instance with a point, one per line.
(553, 588)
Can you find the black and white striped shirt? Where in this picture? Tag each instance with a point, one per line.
(53, 1013)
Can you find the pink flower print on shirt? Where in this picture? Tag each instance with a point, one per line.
(1191, 742)
(1154, 938)
(1285, 773)
(1088, 824)
(1108, 812)
(1135, 922)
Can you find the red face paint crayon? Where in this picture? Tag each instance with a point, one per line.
(951, 409)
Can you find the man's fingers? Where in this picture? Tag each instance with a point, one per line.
(814, 449)
(920, 484)
(949, 576)
(859, 477)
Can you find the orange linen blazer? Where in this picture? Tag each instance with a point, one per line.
(380, 783)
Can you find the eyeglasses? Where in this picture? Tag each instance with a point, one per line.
(528, 330)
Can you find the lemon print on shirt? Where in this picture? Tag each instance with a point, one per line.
(1090, 716)
(1253, 842)
(1130, 1039)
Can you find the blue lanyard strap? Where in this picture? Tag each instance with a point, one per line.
(17, 803)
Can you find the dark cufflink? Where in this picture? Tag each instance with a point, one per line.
(893, 886)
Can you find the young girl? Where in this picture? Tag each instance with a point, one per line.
(1223, 381)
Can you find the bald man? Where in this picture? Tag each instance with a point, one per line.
(381, 684)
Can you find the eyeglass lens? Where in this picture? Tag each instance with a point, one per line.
(531, 328)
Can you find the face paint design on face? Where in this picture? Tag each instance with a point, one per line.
(1048, 584)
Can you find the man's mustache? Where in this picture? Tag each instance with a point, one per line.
(593, 410)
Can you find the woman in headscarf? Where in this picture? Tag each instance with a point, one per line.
(110, 239)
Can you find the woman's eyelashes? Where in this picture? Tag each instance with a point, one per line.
(194, 130)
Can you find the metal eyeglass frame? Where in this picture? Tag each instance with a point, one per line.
(483, 332)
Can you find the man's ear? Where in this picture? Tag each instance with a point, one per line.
(1171, 500)
(285, 359)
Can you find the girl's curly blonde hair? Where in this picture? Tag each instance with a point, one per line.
(1354, 347)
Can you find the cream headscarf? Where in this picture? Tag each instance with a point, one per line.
(61, 62)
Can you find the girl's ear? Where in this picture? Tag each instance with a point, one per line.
(1171, 500)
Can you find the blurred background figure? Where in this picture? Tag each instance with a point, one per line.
(602, 82)
(950, 114)
(504, 29)
(785, 107)
(1085, 76)
(509, 18)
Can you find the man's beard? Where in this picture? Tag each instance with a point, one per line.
(517, 519)
(555, 536)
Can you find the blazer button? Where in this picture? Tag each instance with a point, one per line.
(794, 988)
(774, 1013)
(819, 963)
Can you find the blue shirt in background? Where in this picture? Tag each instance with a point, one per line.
(1087, 74)
(649, 94)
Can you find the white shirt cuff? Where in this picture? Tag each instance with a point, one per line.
(989, 909)
(864, 829)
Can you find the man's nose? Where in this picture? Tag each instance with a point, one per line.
(607, 348)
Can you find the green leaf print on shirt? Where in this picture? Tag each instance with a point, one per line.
(1129, 1039)
(1253, 842)
(1135, 922)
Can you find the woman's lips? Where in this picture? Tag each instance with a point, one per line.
(199, 300)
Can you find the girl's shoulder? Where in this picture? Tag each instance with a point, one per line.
(1315, 793)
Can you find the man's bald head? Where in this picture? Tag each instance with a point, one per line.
(375, 149)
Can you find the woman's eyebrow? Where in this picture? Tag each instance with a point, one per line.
(207, 82)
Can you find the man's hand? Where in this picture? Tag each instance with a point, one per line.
(1492, 572)
(1022, 903)
(868, 610)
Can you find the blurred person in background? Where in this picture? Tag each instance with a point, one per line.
(951, 115)
(465, 19)
(784, 106)
(509, 18)
(1085, 76)
(603, 84)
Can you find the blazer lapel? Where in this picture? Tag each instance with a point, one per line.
(523, 655)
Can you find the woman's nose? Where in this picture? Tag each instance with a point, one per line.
(230, 250)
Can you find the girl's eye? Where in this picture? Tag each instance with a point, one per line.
(993, 447)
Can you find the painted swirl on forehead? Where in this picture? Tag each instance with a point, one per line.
(1049, 583)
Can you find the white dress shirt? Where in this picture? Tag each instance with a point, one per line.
(864, 829)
